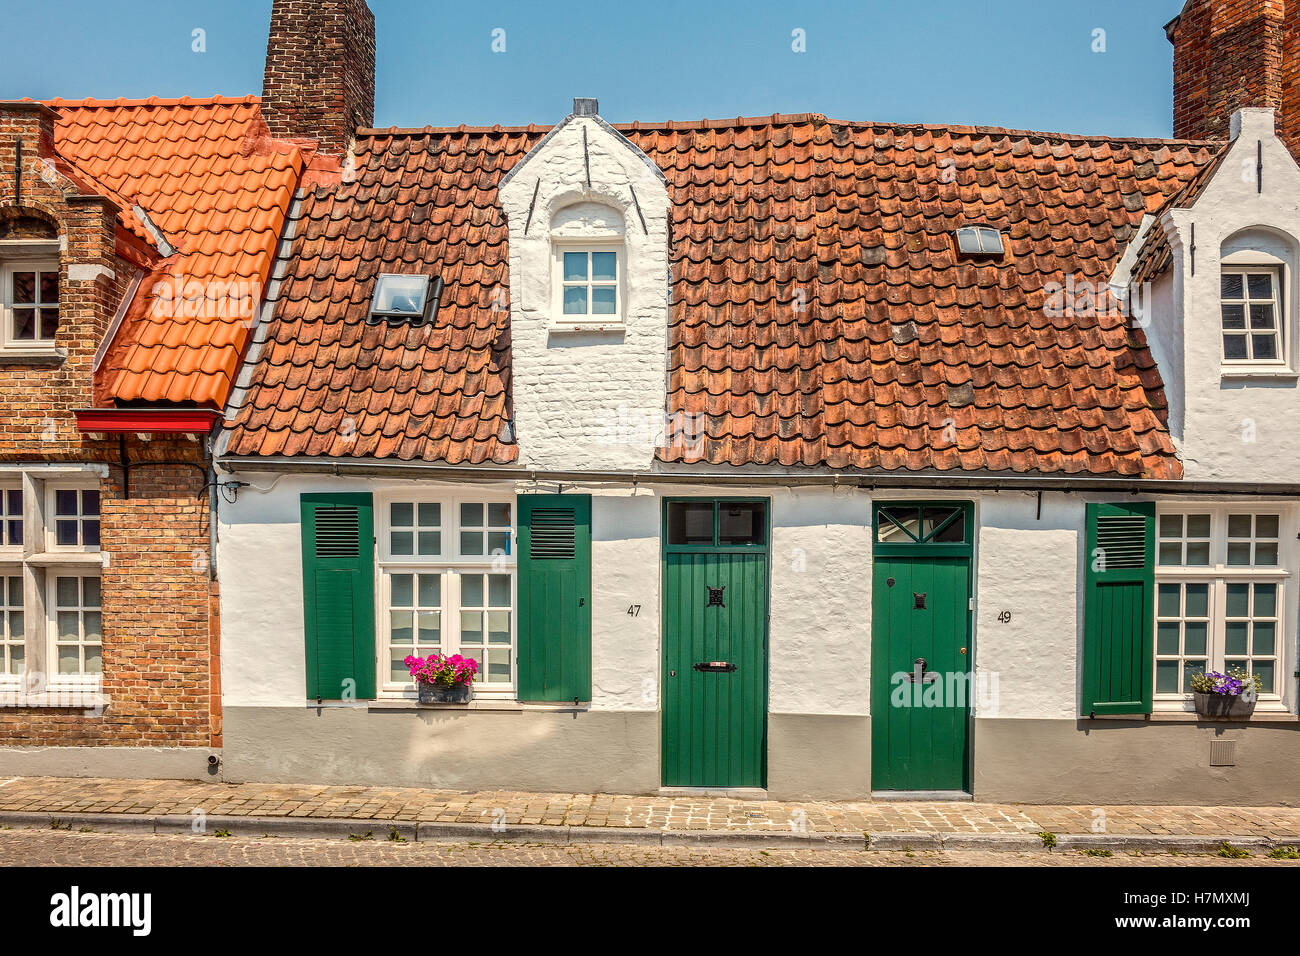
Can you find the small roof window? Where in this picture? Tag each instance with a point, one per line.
(979, 241)
(404, 297)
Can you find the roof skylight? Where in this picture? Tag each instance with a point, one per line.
(979, 241)
(402, 297)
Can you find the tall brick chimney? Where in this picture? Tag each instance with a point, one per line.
(1234, 53)
(320, 71)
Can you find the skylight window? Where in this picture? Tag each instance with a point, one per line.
(404, 297)
(979, 241)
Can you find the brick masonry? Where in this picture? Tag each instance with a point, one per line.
(159, 637)
(1234, 53)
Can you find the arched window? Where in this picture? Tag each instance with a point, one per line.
(1256, 272)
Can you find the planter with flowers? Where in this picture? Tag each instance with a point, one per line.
(443, 680)
(1226, 695)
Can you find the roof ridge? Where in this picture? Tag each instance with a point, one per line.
(797, 118)
(91, 102)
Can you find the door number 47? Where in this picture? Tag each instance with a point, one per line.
(633, 610)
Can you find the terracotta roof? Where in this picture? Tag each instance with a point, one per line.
(1156, 256)
(216, 188)
(903, 357)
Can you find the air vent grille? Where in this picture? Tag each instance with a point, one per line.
(338, 532)
(553, 534)
(1122, 539)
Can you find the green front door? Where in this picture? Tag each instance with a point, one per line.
(715, 643)
(920, 647)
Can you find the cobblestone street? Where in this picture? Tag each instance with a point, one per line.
(44, 847)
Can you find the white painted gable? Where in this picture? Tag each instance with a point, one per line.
(587, 397)
(1232, 422)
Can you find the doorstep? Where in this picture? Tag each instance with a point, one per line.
(917, 796)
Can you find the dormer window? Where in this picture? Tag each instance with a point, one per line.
(590, 284)
(1251, 307)
(979, 241)
(405, 298)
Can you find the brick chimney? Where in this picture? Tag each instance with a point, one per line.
(1234, 53)
(320, 71)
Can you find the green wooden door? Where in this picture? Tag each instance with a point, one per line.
(715, 644)
(920, 648)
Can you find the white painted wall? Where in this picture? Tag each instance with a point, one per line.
(587, 399)
(1233, 427)
(1028, 566)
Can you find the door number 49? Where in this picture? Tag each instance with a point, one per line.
(1005, 617)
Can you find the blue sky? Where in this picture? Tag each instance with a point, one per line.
(1015, 63)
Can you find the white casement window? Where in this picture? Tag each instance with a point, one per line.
(1222, 583)
(447, 585)
(12, 633)
(57, 640)
(73, 520)
(1251, 308)
(589, 284)
(76, 624)
(30, 299)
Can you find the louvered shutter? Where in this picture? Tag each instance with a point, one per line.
(1119, 609)
(338, 570)
(554, 597)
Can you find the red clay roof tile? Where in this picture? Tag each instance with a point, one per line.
(903, 356)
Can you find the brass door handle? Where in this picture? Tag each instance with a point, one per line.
(963, 650)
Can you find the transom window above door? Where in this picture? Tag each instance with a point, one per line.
(708, 523)
(1251, 310)
(921, 524)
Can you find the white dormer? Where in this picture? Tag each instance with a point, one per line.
(588, 219)
(1224, 324)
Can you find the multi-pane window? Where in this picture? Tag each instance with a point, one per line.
(31, 304)
(414, 620)
(1220, 586)
(1251, 309)
(12, 650)
(11, 517)
(589, 280)
(76, 518)
(448, 586)
(78, 629)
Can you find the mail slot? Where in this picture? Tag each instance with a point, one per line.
(722, 667)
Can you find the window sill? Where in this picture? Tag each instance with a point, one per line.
(1191, 717)
(1244, 374)
(69, 698)
(54, 357)
(593, 328)
(478, 703)
(46, 559)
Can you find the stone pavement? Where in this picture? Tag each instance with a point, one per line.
(45, 847)
(635, 816)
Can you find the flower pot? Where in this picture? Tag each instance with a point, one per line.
(1224, 705)
(443, 693)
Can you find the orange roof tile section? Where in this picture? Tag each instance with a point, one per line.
(218, 188)
(821, 315)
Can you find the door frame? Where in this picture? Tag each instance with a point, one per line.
(665, 549)
(966, 549)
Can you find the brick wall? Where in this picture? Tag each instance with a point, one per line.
(320, 71)
(159, 636)
(1234, 53)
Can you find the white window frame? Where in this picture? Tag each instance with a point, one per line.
(1277, 275)
(452, 566)
(589, 320)
(1218, 575)
(54, 679)
(7, 609)
(9, 548)
(18, 263)
(51, 518)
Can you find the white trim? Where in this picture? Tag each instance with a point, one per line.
(9, 343)
(588, 321)
(1276, 272)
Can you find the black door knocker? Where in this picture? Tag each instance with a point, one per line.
(918, 601)
(715, 596)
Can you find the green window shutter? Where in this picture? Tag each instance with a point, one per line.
(554, 596)
(1119, 609)
(338, 578)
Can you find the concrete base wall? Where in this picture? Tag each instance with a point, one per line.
(1119, 761)
(818, 757)
(137, 763)
(574, 751)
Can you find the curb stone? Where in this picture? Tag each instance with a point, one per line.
(412, 832)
